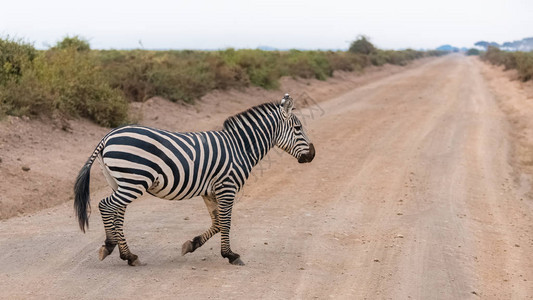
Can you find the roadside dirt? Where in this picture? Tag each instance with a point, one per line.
(515, 98)
(418, 190)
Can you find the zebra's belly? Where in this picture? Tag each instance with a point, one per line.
(184, 192)
(174, 167)
(170, 184)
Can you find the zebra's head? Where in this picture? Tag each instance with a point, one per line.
(291, 136)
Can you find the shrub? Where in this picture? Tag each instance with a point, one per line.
(307, 64)
(472, 51)
(499, 57)
(75, 42)
(262, 67)
(76, 86)
(24, 96)
(362, 46)
(67, 81)
(181, 75)
(74, 80)
(128, 71)
(340, 61)
(378, 58)
(436, 53)
(15, 56)
(399, 57)
(227, 73)
(177, 75)
(19, 87)
(521, 61)
(524, 65)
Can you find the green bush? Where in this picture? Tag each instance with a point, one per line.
(63, 80)
(181, 75)
(345, 61)
(472, 51)
(73, 80)
(436, 53)
(176, 75)
(128, 71)
(15, 56)
(524, 65)
(75, 42)
(19, 87)
(521, 61)
(378, 59)
(262, 67)
(362, 46)
(227, 73)
(401, 58)
(499, 57)
(307, 64)
(24, 96)
(75, 85)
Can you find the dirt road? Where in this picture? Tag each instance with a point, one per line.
(411, 195)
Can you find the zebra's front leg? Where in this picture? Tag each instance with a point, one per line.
(198, 241)
(225, 195)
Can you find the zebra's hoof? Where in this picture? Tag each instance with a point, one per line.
(237, 262)
(103, 253)
(135, 262)
(187, 247)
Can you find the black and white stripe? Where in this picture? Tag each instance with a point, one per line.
(174, 166)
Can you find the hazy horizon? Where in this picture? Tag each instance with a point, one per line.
(284, 25)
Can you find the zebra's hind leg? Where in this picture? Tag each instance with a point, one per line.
(125, 254)
(198, 241)
(107, 212)
(113, 209)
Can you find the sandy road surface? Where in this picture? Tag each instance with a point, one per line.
(410, 195)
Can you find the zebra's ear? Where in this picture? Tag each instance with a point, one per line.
(287, 104)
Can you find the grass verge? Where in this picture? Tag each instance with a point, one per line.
(72, 80)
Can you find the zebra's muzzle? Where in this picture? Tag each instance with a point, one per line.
(307, 157)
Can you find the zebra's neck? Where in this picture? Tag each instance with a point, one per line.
(254, 132)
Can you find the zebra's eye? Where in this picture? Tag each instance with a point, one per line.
(298, 127)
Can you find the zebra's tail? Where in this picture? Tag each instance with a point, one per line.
(82, 201)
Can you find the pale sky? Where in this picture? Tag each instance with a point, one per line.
(282, 24)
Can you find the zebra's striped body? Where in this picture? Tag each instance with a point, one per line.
(175, 166)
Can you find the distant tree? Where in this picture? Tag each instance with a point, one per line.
(362, 46)
(486, 45)
(482, 44)
(472, 51)
(448, 48)
(77, 42)
(509, 45)
(525, 44)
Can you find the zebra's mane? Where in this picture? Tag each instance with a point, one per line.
(230, 122)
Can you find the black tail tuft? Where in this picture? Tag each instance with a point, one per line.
(82, 204)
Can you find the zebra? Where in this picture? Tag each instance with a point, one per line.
(170, 165)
